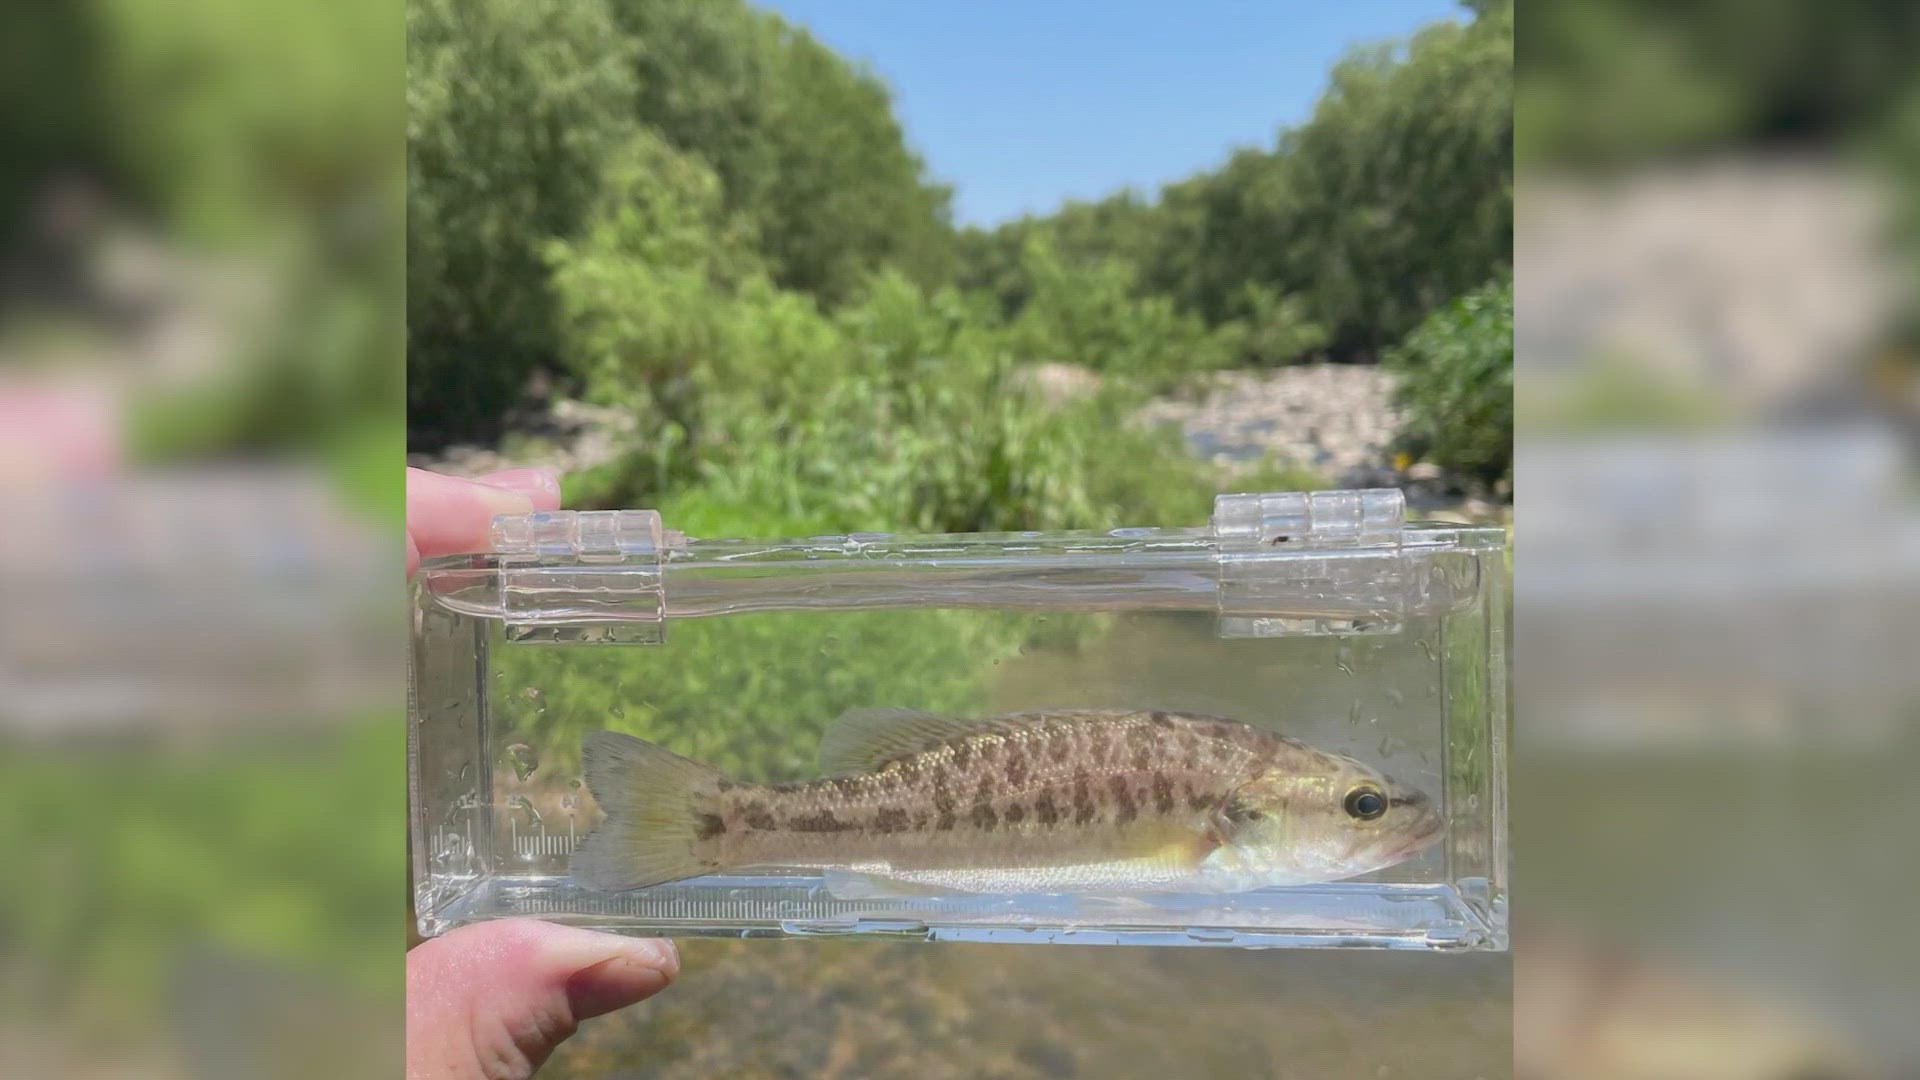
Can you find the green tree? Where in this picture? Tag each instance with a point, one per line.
(1092, 313)
(1456, 385)
(805, 143)
(513, 108)
(1395, 196)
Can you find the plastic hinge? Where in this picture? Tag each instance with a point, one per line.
(582, 577)
(1320, 563)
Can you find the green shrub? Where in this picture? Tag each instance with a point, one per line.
(1456, 385)
(1093, 315)
(1272, 328)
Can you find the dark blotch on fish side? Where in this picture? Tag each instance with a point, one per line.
(1160, 720)
(1123, 800)
(711, 826)
(982, 815)
(1196, 799)
(962, 753)
(1142, 759)
(1162, 793)
(1189, 750)
(1059, 745)
(1083, 808)
(757, 816)
(891, 819)
(823, 822)
(1045, 811)
(724, 785)
(845, 785)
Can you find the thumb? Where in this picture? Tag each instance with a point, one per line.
(490, 1001)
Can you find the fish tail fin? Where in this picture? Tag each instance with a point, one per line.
(651, 797)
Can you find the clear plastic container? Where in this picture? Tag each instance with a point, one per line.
(1323, 616)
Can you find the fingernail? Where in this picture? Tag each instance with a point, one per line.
(620, 981)
(505, 500)
(533, 483)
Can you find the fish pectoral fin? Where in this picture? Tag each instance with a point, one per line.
(851, 885)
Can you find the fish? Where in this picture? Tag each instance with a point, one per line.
(1063, 801)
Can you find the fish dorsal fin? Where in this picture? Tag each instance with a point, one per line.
(861, 739)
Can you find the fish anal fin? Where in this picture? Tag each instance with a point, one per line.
(851, 885)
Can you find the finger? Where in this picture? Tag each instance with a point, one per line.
(450, 516)
(540, 485)
(494, 999)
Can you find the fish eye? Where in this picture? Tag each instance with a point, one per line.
(1365, 803)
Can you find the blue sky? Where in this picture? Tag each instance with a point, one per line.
(1022, 104)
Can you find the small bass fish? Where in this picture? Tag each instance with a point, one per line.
(1047, 802)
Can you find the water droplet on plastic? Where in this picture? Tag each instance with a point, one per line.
(1345, 668)
(575, 784)
(1395, 697)
(521, 802)
(1426, 649)
(1353, 713)
(523, 760)
(618, 710)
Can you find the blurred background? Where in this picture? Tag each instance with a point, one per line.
(1718, 567)
(793, 268)
(201, 394)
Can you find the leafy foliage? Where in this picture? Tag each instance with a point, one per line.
(1395, 196)
(627, 184)
(1091, 314)
(1457, 384)
(529, 119)
(513, 106)
(805, 144)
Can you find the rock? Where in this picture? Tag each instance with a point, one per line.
(1056, 383)
(1338, 418)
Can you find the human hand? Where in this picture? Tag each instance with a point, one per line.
(491, 1000)
(450, 516)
